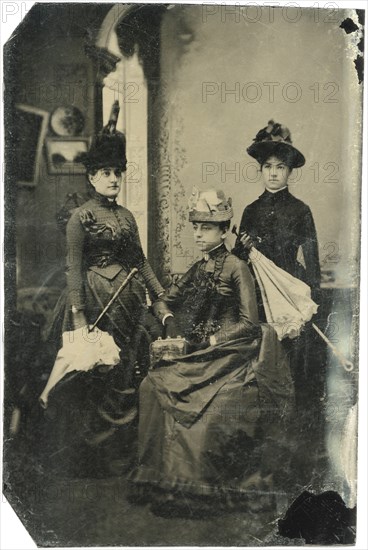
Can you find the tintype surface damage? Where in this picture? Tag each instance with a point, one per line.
(188, 176)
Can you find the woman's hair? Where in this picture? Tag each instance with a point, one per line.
(283, 154)
(92, 171)
(224, 226)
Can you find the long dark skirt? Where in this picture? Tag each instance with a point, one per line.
(211, 422)
(92, 416)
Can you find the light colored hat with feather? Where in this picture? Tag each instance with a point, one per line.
(210, 205)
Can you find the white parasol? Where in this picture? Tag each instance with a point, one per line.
(288, 306)
(287, 301)
(82, 350)
(85, 348)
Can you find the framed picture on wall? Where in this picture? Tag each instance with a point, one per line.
(30, 132)
(63, 153)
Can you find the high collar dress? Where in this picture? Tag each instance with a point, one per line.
(205, 416)
(283, 229)
(103, 246)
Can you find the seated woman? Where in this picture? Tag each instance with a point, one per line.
(212, 422)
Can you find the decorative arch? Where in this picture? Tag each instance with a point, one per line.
(128, 31)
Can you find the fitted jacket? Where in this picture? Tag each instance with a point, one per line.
(217, 295)
(280, 224)
(103, 237)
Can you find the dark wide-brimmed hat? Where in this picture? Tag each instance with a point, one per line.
(275, 140)
(209, 206)
(107, 150)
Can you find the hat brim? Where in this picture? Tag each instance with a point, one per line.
(97, 164)
(214, 217)
(105, 151)
(264, 149)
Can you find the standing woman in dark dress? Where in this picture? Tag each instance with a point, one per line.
(103, 246)
(277, 223)
(282, 228)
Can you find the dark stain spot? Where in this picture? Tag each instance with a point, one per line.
(349, 26)
(319, 519)
(359, 66)
(361, 16)
(361, 45)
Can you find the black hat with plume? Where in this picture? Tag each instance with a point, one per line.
(275, 140)
(108, 148)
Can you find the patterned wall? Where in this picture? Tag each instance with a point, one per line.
(203, 137)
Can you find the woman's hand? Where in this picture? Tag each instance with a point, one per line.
(246, 241)
(79, 320)
(171, 330)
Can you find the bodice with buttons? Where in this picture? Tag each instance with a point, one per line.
(281, 225)
(103, 236)
(111, 235)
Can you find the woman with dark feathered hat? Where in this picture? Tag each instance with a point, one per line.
(103, 246)
(282, 228)
(277, 223)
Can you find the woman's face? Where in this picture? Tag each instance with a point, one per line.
(275, 173)
(107, 181)
(207, 235)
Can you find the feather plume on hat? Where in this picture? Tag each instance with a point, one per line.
(275, 140)
(210, 205)
(108, 147)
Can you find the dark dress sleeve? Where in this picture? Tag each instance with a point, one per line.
(239, 250)
(310, 251)
(75, 236)
(241, 283)
(172, 298)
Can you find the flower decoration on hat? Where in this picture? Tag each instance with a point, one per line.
(275, 139)
(273, 132)
(193, 199)
(210, 205)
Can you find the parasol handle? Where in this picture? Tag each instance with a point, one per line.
(348, 365)
(133, 272)
(234, 230)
